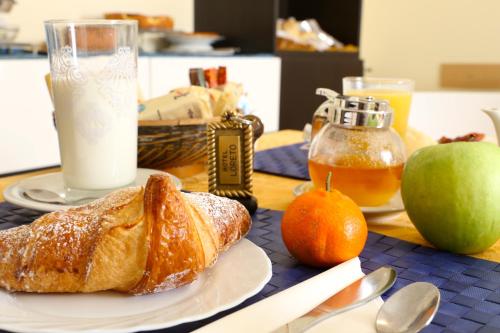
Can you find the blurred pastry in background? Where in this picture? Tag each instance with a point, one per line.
(307, 35)
(145, 22)
(152, 29)
(102, 38)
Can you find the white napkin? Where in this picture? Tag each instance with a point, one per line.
(281, 308)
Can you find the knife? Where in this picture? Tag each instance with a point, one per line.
(356, 294)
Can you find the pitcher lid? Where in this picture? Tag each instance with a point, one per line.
(354, 111)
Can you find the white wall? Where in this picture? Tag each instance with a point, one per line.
(399, 38)
(411, 38)
(30, 14)
(453, 113)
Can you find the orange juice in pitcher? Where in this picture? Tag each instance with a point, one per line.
(367, 185)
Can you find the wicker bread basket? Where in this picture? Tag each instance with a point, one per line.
(166, 144)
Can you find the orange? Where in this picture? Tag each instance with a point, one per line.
(324, 228)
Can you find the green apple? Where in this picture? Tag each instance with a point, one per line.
(452, 195)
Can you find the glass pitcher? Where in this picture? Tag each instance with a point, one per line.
(365, 156)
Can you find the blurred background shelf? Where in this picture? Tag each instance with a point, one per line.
(251, 26)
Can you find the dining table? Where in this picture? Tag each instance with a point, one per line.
(275, 192)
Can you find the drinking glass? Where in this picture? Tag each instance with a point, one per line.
(93, 66)
(397, 92)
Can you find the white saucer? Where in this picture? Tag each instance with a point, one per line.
(54, 182)
(373, 215)
(187, 42)
(220, 51)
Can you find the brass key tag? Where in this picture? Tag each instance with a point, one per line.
(230, 159)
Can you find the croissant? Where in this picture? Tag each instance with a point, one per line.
(136, 240)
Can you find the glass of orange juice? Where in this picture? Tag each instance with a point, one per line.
(396, 91)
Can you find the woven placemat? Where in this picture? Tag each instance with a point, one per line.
(470, 288)
(287, 161)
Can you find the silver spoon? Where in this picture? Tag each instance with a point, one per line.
(354, 295)
(408, 310)
(47, 196)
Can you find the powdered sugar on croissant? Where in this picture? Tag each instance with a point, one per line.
(133, 240)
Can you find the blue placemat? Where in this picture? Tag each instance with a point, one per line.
(287, 161)
(470, 288)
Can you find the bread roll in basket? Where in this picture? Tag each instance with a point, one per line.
(173, 128)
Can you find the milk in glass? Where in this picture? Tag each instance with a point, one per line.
(96, 119)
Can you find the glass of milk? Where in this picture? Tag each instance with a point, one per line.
(93, 65)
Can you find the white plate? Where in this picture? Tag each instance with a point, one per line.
(373, 215)
(54, 182)
(240, 273)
